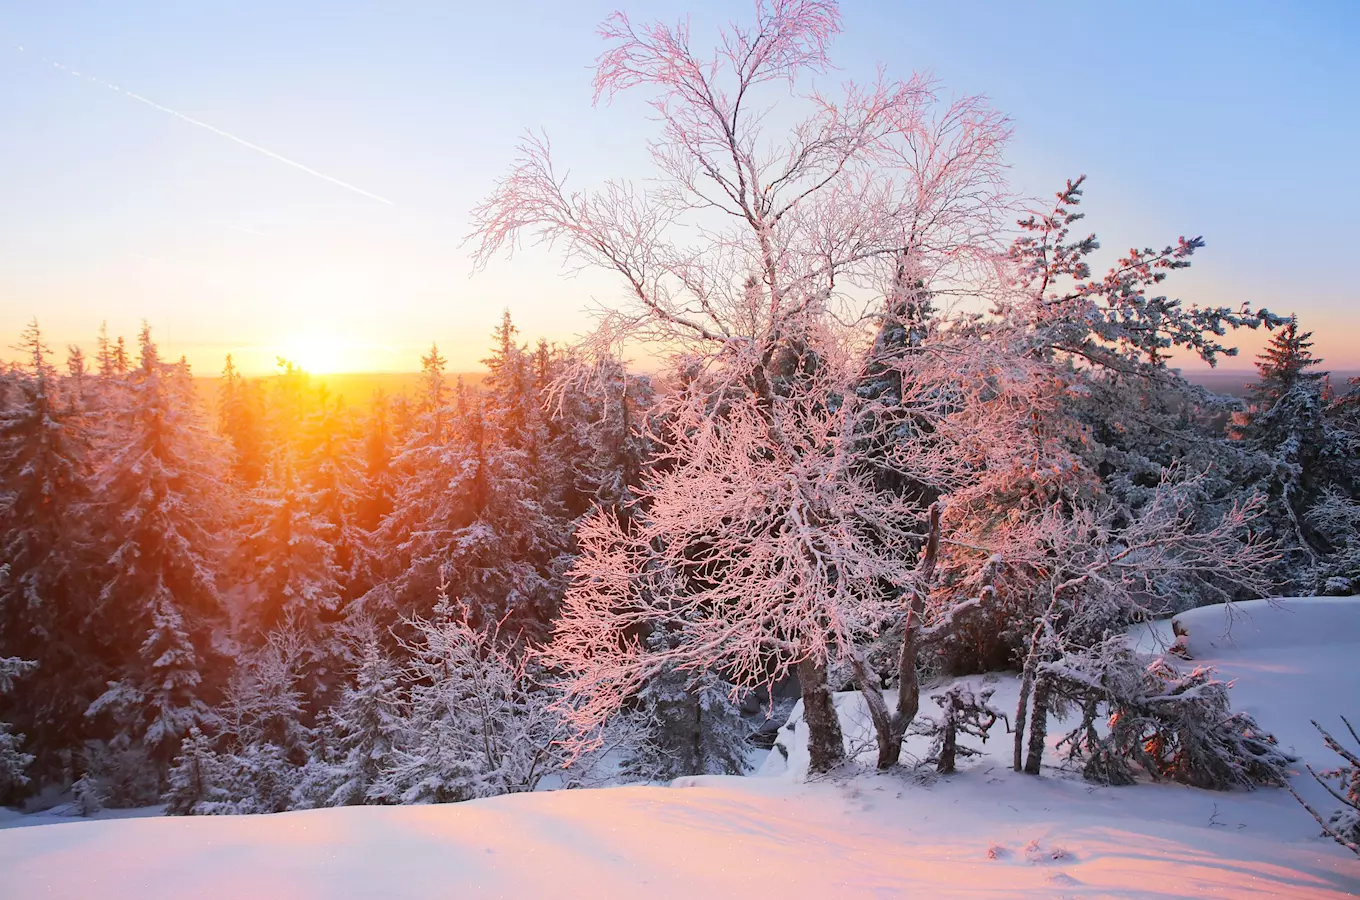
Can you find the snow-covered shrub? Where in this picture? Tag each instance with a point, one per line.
(197, 783)
(1342, 783)
(1161, 721)
(119, 773)
(478, 723)
(961, 711)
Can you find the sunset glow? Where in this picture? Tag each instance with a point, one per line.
(804, 447)
(323, 354)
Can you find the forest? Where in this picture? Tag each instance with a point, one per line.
(901, 427)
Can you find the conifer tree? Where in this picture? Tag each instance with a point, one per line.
(1303, 456)
(45, 596)
(13, 761)
(158, 601)
(691, 724)
(365, 726)
(240, 418)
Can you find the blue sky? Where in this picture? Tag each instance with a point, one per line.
(1232, 120)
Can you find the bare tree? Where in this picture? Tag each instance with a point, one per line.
(761, 264)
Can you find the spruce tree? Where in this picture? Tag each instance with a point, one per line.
(14, 762)
(365, 726)
(45, 596)
(162, 505)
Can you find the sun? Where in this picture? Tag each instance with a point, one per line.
(319, 354)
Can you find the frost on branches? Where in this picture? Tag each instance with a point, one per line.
(787, 521)
(770, 547)
(1166, 723)
(477, 723)
(13, 761)
(1343, 784)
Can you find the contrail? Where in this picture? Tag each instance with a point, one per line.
(204, 125)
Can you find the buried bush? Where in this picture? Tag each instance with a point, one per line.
(1162, 722)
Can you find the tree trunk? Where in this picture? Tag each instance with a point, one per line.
(1038, 728)
(949, 746)
(826, 744)
(886, 726)
(908, 682)
(1021, 716)
(1027, 680)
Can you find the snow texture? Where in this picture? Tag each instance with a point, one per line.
(985, 832)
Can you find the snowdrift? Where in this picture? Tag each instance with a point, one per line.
(984, 833)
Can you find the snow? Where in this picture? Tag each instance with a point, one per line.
(983, 833)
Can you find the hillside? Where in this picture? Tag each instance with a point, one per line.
(983, 833)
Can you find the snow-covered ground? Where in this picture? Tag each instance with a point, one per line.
(985, 832)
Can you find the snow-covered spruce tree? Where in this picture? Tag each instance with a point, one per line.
(1303, 453)
(197, 784)
(509, 560)
(374, 495)
(241, 420)
(160, 505)
(607, 410)
(14, 762)
(477, 725)
(331, 471)
(438, 485)
(364, 728)
(479, 502)
(46, 590)
(762, 469)
(691, 724)
(1335, 518)
(256, 761)
(1343, 784)
(288, 543)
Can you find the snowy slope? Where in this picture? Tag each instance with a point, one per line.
(985, 833)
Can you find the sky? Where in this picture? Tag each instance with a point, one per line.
(318, 208)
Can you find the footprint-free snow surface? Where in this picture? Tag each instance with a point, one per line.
(983, 833)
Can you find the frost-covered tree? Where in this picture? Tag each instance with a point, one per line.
(1160, 721)
(1335, 518)
(1096, 574)
(1303, 455)
(609, 409)
(962, 711)
(256, 761)
(365, 727)
(46, 459)
(478, 724)
(760, 473)
(691, 726)
(160, 495)
(14, 762)
(1343, 784)
(197, 783)
(241, 419)
(291, 553)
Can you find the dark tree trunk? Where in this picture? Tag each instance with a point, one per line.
(1038, 728)
(826, 744)
(948, 748)
(890, 728)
